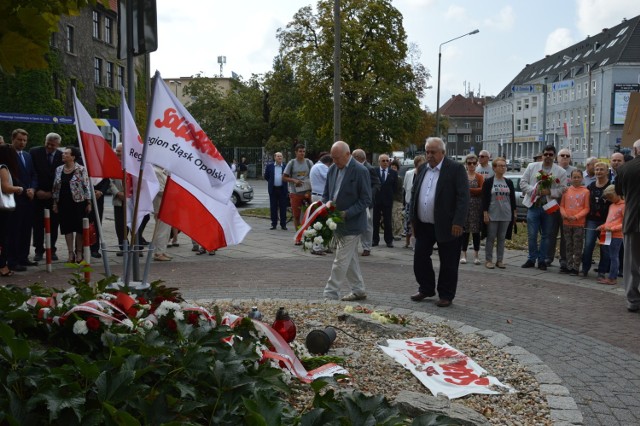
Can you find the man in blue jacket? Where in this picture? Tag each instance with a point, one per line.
(349, 188)
(278, 193)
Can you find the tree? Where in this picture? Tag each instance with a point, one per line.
(26, 27)
(380, 88)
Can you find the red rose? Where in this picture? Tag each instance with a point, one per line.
(141, 300)
(193, 318)
(171, 324)
(93, 323)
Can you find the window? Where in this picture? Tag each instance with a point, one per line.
(467, 138)
(120, 77)
(571, 95)
(578, 91)
(479, 125)
(534, 123)
(534, 102)
(586, 88)
(108, 30)
(519, 105)
(526, 124)
(478, 138)
(452, 138)
(566, 95)
(467, 125)
(518, 124)
(526, 103)
(97, 70)
(593, 87)
(96, 25)
(70, 40)
(593, 116)
(110, 74)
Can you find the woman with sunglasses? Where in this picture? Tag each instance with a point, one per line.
(474, 216)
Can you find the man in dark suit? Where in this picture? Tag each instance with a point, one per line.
(278, 193)
(627, 187)
(45, 161)
(439, 205)
(349, 188)
(383, 203)
(367, 236)
(22, 217)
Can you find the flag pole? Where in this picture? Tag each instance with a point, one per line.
(105, 259)
(126, 247)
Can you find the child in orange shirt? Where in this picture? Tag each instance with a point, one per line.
(613, 225)
(574, 208)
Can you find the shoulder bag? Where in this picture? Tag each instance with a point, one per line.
(7, 201)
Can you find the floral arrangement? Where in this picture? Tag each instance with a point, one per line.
(319, 234)
(381, 317)
(545, 180)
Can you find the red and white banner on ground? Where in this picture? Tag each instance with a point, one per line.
(97, 153)
(209, 222)
(179, 145)
(132, 146)
(442, 368)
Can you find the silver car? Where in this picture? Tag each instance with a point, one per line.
(242, 193)
(520, 208)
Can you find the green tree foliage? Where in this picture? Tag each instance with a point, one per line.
(234, 118)
(380, 86)
(26, 27)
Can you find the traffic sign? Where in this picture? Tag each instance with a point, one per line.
(527, 88)
(564, 84)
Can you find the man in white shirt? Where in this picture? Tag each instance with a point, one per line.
(484, 168)
(589, 174)
(318, 176)
(407, 184)
(564, 161)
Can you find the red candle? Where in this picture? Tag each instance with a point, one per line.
(284, 325)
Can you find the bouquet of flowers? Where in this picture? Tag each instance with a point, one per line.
(320, 223)
(545, 180)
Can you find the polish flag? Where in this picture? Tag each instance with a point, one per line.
(97, 154)
(179, 145)
(551, 207)
(210, 223)
(132, 155)
(605, 238)
(567, 130)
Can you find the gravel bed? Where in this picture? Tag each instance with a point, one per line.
(374, 372)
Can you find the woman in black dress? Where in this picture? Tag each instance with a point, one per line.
(71, 200)
(8, 179)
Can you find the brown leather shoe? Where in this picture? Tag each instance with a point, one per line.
(419, 296)
(443, 303)
(366, 253)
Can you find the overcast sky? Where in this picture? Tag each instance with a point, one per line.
(193, 33)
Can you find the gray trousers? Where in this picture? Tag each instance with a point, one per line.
(631, 269)
(497, 229)
(367, 235)
(345, 271)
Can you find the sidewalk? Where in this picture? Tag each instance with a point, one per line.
(579, 328)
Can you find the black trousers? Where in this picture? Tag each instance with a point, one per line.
(449, 254)
(382, 212)
(38, 225)
(19, 235)
(278, 203)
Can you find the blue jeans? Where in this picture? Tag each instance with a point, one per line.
(538, 221)
(590, 238)
(614, 252)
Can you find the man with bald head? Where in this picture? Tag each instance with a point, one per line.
(616, 160)
(348, 187)
(484, 168)
(627, 187)
(589, 174)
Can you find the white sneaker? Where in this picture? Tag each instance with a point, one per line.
(476, 261)
(463, 261)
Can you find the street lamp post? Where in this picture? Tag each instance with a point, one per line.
(586, 64)
(439, 66)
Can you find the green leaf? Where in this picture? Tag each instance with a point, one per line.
(17, 349)
(56, 402)
(87, 368)
(121, 418)
(114, 387)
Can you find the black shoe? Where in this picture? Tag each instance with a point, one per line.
(573, 272)
(144, 242)
(96, 255)
(635, 309)
(584, 274)
(54, 256)
(529, 264)
(542, 266)
(19, 268)
(374, 244)
(284, 228)
(272, 227)
(38, 257)
(390, 245)
(30, 263)
(564, 270)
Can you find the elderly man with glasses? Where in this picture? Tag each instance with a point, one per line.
(484, 168)
(564, 161)
(542, 183)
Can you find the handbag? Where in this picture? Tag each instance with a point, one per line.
(7, 201)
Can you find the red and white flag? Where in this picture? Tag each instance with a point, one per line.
(97, 154)
(567, 130)
(551, 207)
(132, 155)
(210, 223)
(179, 145)
(605, 238)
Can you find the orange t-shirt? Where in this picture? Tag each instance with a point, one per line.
(575, 202)
(614, 219)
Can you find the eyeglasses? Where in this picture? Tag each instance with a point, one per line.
(565, 155)
(482, 156)
(472, 163)
(548, 154)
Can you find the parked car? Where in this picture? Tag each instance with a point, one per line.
(514, 165)
(242, 193)
(520, 208)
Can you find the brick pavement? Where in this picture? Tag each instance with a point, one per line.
(578, 328)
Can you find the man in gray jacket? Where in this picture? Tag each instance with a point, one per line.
(348, 187)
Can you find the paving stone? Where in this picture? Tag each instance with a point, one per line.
(548, 378)
(515, 350)
(561, 402)
(554, 390)
(467, 329)
(569, 416)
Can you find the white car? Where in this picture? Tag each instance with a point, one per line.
(242, 193)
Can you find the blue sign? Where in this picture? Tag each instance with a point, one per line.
(564, 84)
(51, 119)
(527, 88)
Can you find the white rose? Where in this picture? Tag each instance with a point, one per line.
(317, 226)
(308, 245)
(318, 240)
(80, 327)
(128, 323)
(332, 225)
